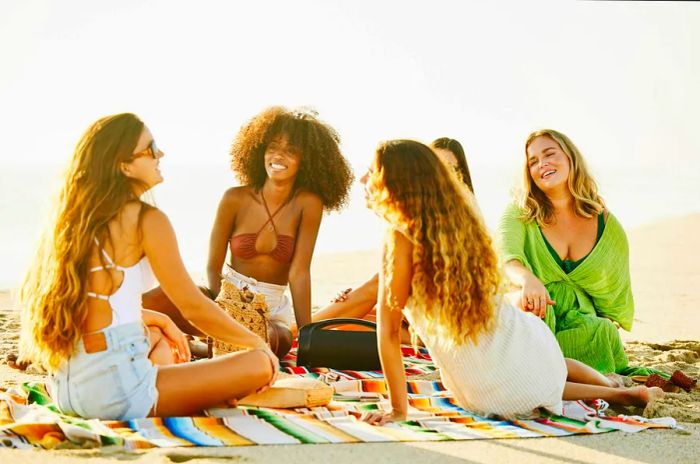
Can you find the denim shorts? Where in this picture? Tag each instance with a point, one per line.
(117, 383)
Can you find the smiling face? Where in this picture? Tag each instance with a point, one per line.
(548, 165)
(144, 166)
(282, 160)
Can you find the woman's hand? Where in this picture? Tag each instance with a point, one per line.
(341, 296)
(177, 339)
(534, 297)
(382, 417)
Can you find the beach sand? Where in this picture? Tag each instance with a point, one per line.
(666, 336)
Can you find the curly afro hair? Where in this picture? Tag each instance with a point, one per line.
(323, 169)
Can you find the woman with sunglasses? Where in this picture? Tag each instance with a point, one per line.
(83, 319)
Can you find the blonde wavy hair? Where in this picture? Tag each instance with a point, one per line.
(94, 191)
(455, 269)
(534, 203)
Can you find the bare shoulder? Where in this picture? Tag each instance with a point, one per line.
(309, 200)
(154, 220)
(237, 195)
(126, 224)
(402, 244)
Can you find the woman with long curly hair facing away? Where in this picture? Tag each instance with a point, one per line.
(291, 168)
(82, 315)
(362, 301)
(568, 255)
(440, 271)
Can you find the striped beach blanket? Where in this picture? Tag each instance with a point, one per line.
(28, 419)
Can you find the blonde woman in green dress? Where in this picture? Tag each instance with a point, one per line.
(568, 255)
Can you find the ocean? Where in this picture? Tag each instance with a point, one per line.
(190, 195)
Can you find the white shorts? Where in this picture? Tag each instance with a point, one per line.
(277, 301)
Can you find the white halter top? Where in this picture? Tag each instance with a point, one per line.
(126, 301)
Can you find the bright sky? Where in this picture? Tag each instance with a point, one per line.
(620, 78)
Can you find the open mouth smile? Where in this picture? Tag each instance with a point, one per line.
(548, 174)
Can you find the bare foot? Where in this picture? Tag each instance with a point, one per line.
(642, 395)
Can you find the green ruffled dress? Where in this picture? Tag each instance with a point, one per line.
(590, 293)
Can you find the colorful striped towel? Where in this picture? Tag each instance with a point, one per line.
(28, 419)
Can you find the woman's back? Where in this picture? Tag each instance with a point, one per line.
(515, 366)
(119, 272)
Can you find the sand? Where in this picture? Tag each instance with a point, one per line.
(666, 336)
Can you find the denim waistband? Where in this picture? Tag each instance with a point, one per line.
(232, 273)
(117, 335)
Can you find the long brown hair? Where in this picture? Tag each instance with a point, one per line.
(533, 201)
(94, 191)
(455, 270)
(456, 148)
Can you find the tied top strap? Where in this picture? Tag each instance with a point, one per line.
(110, 261)
(110, 265)
(125, 302)
(244, 245)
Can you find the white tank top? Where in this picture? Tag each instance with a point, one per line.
(126, 301)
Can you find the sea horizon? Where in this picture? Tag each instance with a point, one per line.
(191, 193)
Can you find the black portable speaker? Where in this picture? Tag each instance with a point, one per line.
(338, 349)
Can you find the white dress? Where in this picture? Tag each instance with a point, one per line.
(515, 368)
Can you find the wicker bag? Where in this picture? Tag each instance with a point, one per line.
(246, 307)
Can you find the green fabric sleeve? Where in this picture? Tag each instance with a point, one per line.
(510, 237)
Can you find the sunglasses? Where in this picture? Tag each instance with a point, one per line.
(152, 150)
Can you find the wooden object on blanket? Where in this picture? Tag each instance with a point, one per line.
(291, 392)
(247, 307)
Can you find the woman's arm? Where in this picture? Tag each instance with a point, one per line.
(394, 288)
(175, 336)
(219, 238)
(161, 248)
(511, 238)
(534, 296)
(299, 271)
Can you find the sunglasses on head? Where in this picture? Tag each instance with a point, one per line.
(152, 150)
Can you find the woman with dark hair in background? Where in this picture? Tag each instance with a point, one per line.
(452, 154)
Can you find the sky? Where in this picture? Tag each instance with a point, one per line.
(620, 78)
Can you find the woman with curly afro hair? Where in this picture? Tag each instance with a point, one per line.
(291, 170)
(439, 270)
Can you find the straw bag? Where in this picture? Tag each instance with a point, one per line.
(291, 392)
(246, 307)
